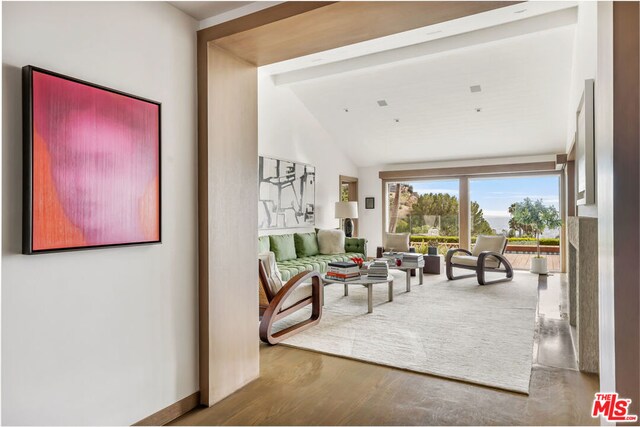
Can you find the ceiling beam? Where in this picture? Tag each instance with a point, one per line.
(341, 24)
(549, 21)
(399, 175)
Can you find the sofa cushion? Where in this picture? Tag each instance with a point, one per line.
(353, 244)
(318, 263)
(263, 244)
(331, 241)
(472, 261)
(489, 243)
(306, 244)
(397, 242)
(283, 246)
(301, 292)
(274, 278)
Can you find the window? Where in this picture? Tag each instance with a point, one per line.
(493, 203)
(429, 210)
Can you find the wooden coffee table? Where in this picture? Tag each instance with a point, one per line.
(366, 282)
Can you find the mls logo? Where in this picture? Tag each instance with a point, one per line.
(611, 408)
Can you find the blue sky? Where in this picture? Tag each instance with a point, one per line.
(496, 194)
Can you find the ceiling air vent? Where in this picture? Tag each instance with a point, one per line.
(382, 103)
(475, 88)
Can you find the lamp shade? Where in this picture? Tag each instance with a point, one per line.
(346, 209)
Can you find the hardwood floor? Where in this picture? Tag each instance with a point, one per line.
(299, 387)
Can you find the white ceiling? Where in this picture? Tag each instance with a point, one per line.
(524, 69)
(200, 10)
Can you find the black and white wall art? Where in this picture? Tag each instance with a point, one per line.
(287, 193)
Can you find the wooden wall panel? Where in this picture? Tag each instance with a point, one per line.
(341, 24)
(266, 16)
(229, 351)
(626, 198)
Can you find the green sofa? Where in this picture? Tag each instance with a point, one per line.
(299, 252)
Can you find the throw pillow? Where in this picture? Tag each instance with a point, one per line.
(488, 243)
(331, 242)
(263, 244)
(397, 242)
(306, 244)
(274, 278)
(283, 246)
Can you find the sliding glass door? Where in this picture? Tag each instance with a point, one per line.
(428, 210)
(495, 207)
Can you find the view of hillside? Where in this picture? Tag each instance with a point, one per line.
(431, 208)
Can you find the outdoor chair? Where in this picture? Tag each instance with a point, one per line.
(487, 256)
(284, 299)
(396, 242)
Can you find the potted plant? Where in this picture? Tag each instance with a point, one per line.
(433, 247)
(539, 217)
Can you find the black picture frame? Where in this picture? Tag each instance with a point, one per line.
(28, 170)
(369, 202)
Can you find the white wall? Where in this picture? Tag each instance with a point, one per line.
(584, 60)
(103, 336)
(371, 186)
(287, 130)
(585, 55)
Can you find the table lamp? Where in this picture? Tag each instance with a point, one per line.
(347, 211)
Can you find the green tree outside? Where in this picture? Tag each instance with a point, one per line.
(536, 216)
(432, 210)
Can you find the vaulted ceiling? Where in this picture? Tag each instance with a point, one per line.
(520, 57)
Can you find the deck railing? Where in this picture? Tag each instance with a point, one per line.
(443, 247)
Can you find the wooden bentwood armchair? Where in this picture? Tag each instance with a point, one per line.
(286, 299)
(487, 255)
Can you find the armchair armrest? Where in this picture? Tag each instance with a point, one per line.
(356, 244)
(274, 312)
(500, 257)
(452, 252)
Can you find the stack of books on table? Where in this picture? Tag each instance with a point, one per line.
(412, 260)
(343, 271)
(379, 269)
(391, 257)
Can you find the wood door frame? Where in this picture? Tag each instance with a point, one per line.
(258, 39)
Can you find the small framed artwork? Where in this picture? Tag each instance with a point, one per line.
(91, 165)
(369, 203)
(585, 148)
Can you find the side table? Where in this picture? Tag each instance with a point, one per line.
(432, 264)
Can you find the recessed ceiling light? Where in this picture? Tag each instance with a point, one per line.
(520, 11)
(346, 110)
(478, 109)
(434, 32)
(397, 120)
(317, 60)
(382, 103)
(475, 88)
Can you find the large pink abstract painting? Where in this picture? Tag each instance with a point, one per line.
(94, 160)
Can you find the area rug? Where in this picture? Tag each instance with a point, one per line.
(453, 329)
